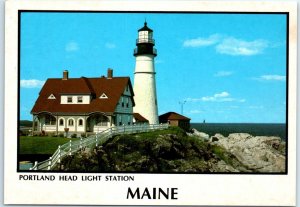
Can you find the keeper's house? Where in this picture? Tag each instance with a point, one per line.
(83, 105)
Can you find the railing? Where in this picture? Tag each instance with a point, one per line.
(145, 40)
(92, 141)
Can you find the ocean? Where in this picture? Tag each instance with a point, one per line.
(256, 129)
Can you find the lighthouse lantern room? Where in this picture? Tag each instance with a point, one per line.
(144, 76)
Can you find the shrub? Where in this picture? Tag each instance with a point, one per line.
(50, 134)
(83, 135)
(61, 135)
(73, 135)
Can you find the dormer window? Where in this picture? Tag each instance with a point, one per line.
(103, 96)
(51, 97)
(70, 99)
(79, 99)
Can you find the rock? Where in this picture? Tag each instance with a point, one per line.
(257, 154)
(200, 134)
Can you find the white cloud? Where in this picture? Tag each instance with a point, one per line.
(33, 83)
(218, 97)
(196, 112)
(223, 73)
(229, 45)
(110, 45)
(223, 94)
(235, 47)
(271, 78)
(200, 41)
(72, 47)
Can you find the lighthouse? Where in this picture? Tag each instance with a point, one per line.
(144, 76)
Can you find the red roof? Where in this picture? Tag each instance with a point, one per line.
(173, 116)
(139, 118)
(113, 88)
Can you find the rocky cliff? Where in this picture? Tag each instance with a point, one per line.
(173, 150)
(248, 153)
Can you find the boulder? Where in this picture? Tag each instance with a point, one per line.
(257, 154)
(200, 134)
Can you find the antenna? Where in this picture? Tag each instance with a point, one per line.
(182, 103)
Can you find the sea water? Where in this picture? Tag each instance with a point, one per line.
(255, 129)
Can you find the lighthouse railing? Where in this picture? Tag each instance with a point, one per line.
(71, 147)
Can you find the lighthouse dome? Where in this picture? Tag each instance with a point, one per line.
(145, 28)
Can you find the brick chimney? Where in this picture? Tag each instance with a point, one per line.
(65, 75)
(109, 73)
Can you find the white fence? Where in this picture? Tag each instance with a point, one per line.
(92, 141)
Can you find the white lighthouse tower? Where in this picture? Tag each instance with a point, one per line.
(144, 76)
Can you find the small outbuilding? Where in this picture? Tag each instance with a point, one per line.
(139, 119)
(175, 119)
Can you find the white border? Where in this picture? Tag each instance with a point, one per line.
(193, 189)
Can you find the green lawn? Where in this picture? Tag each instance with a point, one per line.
(41, 145)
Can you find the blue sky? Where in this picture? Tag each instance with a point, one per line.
(228, 68)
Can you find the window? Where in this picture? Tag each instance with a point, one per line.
(80, 122)
(50, 120)
(61, 122)
(79, 99)
(70, 99)
(71, 122)
(51, 97)
(103, 96)
(122, 101)
(127, 102)
(127, 88)
(120, 120)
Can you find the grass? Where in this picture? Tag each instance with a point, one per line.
(41, 145)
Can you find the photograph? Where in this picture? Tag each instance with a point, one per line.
(150, 103)
(153, 92)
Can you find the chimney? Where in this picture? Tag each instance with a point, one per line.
(65, 75)
(109, 73)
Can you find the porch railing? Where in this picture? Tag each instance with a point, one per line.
(93, 141)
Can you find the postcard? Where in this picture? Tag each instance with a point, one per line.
(150, 103)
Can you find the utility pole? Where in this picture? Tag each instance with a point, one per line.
(182, 103)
